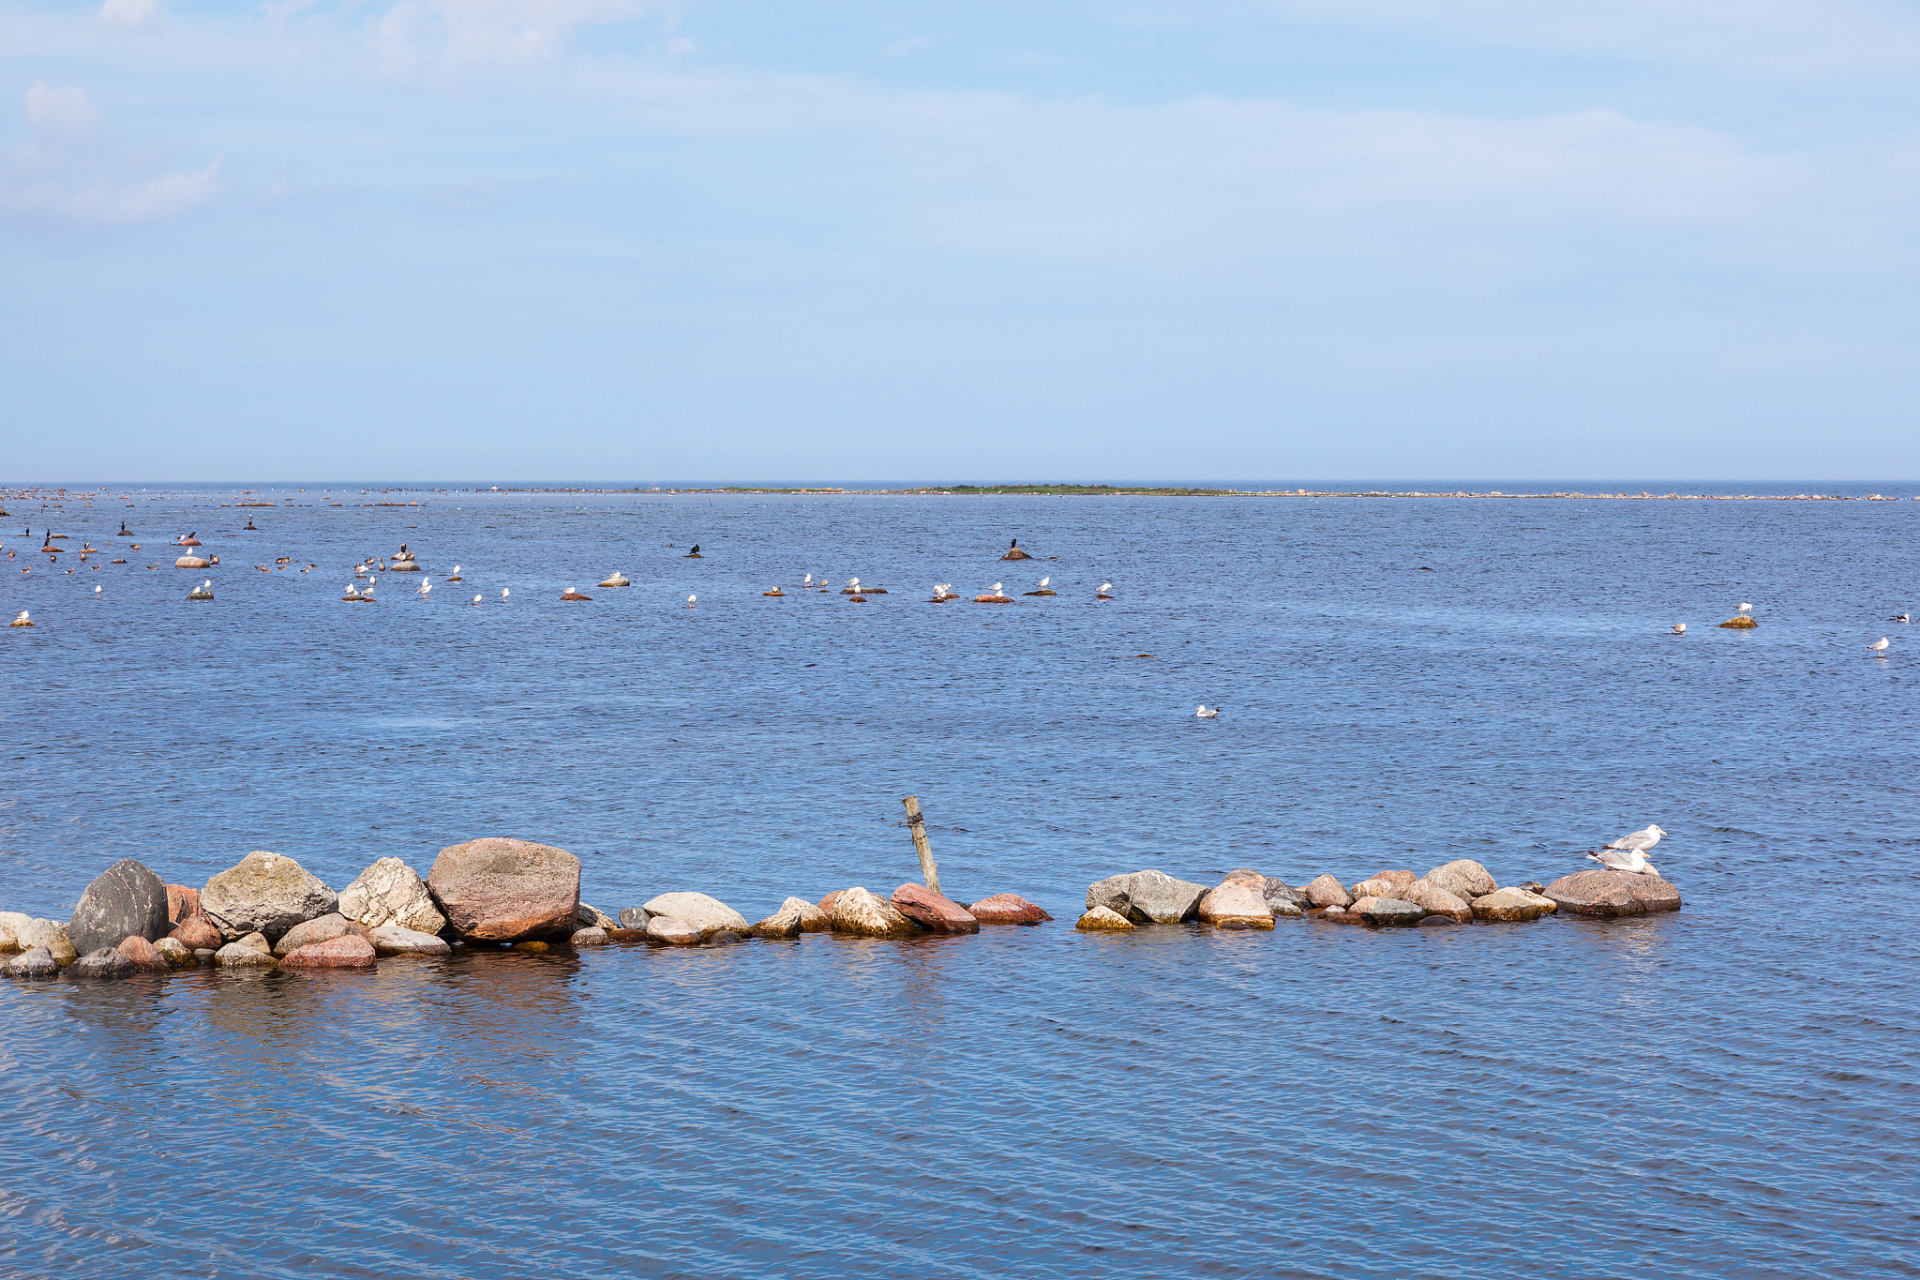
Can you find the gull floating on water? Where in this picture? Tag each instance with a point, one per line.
(504, 591)
(1898, 617)
(426, 585)
(476, 599)
(690, 600)
(1878, 648)
(1205, 714)
(1679, 629)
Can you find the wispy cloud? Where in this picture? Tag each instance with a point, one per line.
(71, 175)
(415, 35)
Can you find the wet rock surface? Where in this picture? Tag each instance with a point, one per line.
(1608, 894)
(1103, 920)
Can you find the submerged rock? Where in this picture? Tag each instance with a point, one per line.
(391, 892)
(865, 915)
(1437, 922)
(103, 962)
(33, 964)
(1511, 906)
(348, 951)
(590, 937)
(1325, 891)
(1463, 878)
(673, 932)
(1103, 920)
(933, 912)
(1147, 897)
(1387, 912)
(707, 914)
(398, 940)
(1607, 893)
(499, 890)
(1236, 904)
(125, 899)
(1007, 908)
(264, 892)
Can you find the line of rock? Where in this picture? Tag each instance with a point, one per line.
(1460, 892)
(269, 912)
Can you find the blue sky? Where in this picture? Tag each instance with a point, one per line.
(622, 239)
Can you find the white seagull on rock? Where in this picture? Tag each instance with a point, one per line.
(1746, 607)
(1629, 852)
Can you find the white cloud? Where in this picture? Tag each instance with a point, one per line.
(1791, 37)
(69, 176)
(128, 13)
(420, 35)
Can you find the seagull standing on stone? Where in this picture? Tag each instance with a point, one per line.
(1629, 852)
(1746, 608)
(690, 600)
(476, 599)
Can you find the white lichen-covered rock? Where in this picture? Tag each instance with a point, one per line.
(391, 892)
(266, 893)
(11, 925)
(51, 934)
(1507, 905)
(708, 915)
(1103, 920)
(398, 940)
(868, 915)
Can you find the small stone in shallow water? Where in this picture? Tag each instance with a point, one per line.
(932, 911)
(1509, 906)
(1007, 908)
(594, 937)
(179, 955)
(1387, 884)
(725, 938)
(197, 933)
(1325, 891)
(104, 962)
(783, 924)
(1387, 912)
(397, 940)
(1463, 878)
(673, 932)
(331, 925)
(34, 964)
(633, 917)
(531, 945)
(51, 934)
(1103, 920)
(1437, 922)
(1235, 904)
(348, 951)
(143, 955)
(242, 955)
(707, 914)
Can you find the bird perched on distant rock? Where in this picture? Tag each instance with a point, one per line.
(1745, 607)
(1629, 852)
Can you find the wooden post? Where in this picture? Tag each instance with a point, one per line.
(928, 871)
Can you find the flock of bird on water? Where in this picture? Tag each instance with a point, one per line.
(405, 561)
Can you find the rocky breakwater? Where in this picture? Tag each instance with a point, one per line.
(1458, 892)
(506, 891)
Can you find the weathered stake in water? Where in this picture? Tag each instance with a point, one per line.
(928, 871)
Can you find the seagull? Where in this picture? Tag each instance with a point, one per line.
(1679, 629)
(96, 591)
(1898, 617)
(690, 600)
(352, 592)
(476, 599)
(1629, 852)
(1205, 714)
(807, 581)
(504, 591)
(426, 585)
(996, 588)
(1045, 581)
(23, 620)
(1878, 648)
(1105, 587)
(1746, 607)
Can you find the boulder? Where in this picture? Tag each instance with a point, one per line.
(198, 933)
(1237, 904)
(1007, 908)
(398, 940)
(12, 923)
(1386, 912)
(347, 951)
(264, 892)
(1246, 876)
(498, 890)
(1340, 915)
(143, 955)
(179, 955)
(724, 938)
(673, 932)
(633, 917)
(1387, 884)
(1283, 898)
(183, 904)
(784, 923)
(826, 906)
(812, 918)
(708, 915)
(858, 912)
(932, 911)
(592, 917)
(51, 934)
(1608, 893)
(102, 962)
(257, 941)
(1463, 878)
(123, 900)
(33, 964)
(391, 892)
(591, 937)
(1437, 901)
(1511, 905)
(1147, 897)
(1325, 891)
(308, 932)
(1103, 920)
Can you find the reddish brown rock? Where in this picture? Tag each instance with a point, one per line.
(1387, 884)
(348, 951)
(1608, 893)
(932, 911)
(144, 955)
(183, 904)
(497, 890)
(626, 935)
(826, 904)
(1437, 901)
(1247, 876)
(1007, 908)
(308, 932)
(1325, 891)
(199, 934)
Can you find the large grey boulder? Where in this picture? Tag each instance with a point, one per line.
(1387, 912)
(1608, 893)
(497, 890)
(708, 915)
(1147, 897)
(391, 892)
(266, 893)
(125, 900)
(1282, 898)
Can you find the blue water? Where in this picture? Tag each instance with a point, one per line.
(1728, 1091)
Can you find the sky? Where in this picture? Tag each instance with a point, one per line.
(739, 240)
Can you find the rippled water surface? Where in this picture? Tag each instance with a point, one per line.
(1729, 1091)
